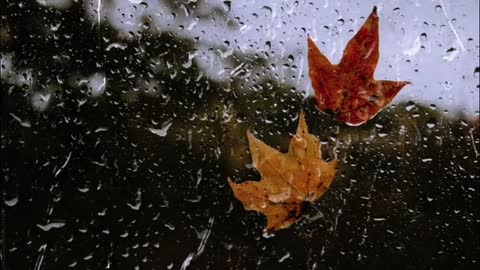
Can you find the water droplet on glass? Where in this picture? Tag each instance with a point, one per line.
(188, 64)
(382, 134)
(51, 225)
(23, 123)
(268, 234)
(54, 27)
(11, 202)
(450, 54)
(41, 101)
(284, 257)
(138, 201)
(423, 36)
(83, 190)
(227, 5)
(199, 177)
(431, 123)
(169, 226)
(186, 10)
(162, 132)
(268, 46)
(267, 8)
(410, 106)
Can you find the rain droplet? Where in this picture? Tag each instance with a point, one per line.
(169, 226)
(227, 5)
(51, 225)
(54, 27)
(138, 202)
(162, 132)
(186, 10)
(199, 176)
(11, 202)
(188, 64)
(423, 36)
(101, 129)
(267, 8)
(286, 256)
(450, 54)
(268, 45)
(410, 106)
(431, 123)
(83, 190)
(23, 123)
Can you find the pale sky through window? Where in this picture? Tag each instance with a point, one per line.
(433, 44)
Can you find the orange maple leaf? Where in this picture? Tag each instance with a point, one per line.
(288, 180)
(347, 90)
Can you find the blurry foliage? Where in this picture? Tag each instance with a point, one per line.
(121, 196)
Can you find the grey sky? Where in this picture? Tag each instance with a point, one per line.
(442, 72)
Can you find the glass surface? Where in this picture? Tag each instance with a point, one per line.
(121, 121)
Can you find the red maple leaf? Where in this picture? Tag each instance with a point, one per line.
(347, 90)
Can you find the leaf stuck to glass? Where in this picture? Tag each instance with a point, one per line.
(288, 180)
(347, 91)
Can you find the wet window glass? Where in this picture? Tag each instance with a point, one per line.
(123, 119)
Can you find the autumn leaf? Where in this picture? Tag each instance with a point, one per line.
(347, 90)
(288, 180)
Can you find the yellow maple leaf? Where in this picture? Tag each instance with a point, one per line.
(288, 180)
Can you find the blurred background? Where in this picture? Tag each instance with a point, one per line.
(121, 121)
